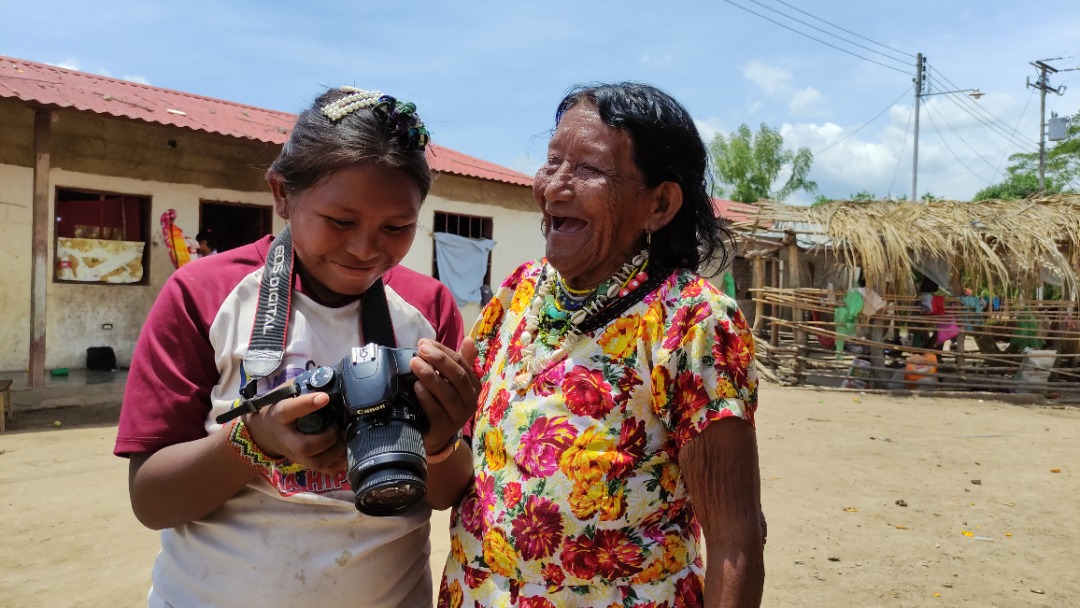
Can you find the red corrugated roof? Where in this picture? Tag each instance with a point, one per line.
(734, 211)
(56, 87)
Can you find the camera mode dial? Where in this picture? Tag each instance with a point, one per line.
(321, 378)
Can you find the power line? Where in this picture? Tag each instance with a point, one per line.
(828, 33)
(1007, 134)
(865, 123)
(843, 30)
(814, 39)
(979, 109)
(1005, 152)
(903, 143)
(960, 137)
(947, 147)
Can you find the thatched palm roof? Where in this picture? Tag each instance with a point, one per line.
(994, 243)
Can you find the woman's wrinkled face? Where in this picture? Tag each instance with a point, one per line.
(349, 229)
(596, 207)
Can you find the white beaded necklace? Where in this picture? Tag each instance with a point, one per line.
(620, 284)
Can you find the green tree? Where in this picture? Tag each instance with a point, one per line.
(1061, 169)
(749, 164)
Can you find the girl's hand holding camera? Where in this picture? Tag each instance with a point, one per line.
(447, 389)
(274, 430)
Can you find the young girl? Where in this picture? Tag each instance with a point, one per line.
(254, 512)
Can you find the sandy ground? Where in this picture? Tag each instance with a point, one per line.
(871, 501)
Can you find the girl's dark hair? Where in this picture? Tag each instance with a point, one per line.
(667, 148)
(319, 146)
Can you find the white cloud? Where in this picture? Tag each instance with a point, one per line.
(773, 80)
(138, 79)
(808, 102)
(779, 84)
(709, 129)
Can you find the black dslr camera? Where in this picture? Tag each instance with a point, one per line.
(372, 400)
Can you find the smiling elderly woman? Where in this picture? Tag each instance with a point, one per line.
(615, 423)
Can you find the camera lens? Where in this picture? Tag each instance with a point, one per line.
(387, 466)
(387, 492)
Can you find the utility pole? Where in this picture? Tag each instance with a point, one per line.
(1043, 84)
(920, 70)
(920, 92)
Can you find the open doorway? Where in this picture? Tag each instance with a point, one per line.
(235, 224)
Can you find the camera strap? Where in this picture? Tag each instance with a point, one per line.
(266, 348)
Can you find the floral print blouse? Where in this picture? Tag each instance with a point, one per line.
(578, 498)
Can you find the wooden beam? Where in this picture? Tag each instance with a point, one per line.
(39, 274)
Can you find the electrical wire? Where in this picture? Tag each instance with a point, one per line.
(1005, 152)
(843, 30)
(828, 33)
(1009, 131)
(947, 147)
(906, 91)
(814, 39)
(958, 136)
(903, 144)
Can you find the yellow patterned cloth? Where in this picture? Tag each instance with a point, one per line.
(578, 499)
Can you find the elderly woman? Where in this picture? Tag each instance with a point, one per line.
(615, 423)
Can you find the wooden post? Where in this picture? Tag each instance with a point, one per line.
(759, 302)
(798, 365)
(39, 253)
(774, 330)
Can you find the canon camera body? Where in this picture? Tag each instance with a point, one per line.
(373, 401)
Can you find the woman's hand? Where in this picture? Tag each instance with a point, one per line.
(274, 430)
(447, 389)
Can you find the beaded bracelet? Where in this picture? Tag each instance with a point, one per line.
(244, 446)
(445, 453)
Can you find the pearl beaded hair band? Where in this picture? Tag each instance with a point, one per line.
(356, 99)
(401, 116)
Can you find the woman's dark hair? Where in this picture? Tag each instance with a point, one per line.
(319, 146)
(667, 148)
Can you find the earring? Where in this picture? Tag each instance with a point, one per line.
(543, 226)
(282, 214)
(648, 239)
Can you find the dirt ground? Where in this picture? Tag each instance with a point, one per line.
(871, 500)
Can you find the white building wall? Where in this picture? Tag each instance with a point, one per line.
(516, 234)
(77, 314)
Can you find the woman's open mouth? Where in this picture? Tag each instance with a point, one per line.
(567, 225)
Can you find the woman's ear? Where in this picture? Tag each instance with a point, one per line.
(668, 201)
(277, 188)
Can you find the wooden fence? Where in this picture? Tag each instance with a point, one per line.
(1013, 346)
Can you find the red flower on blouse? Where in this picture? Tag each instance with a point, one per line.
(609, 553)
(511, 494)
(538, 530)
(542, 444)
(683, 322)
(631, 448)
(499, 406)
(587, 393)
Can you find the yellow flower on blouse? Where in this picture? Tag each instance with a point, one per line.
(457, 550)
(494, 450)
(522, 297)
(589, 497)
(669, 477)
(498, 554)
(590, 457)
(620, 339)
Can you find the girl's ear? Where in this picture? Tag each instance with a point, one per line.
(667, 202)
(277, 188)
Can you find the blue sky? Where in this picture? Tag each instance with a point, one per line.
(487, 75)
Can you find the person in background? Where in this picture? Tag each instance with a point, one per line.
(207, 243)
(615, 429)
(253, 512)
